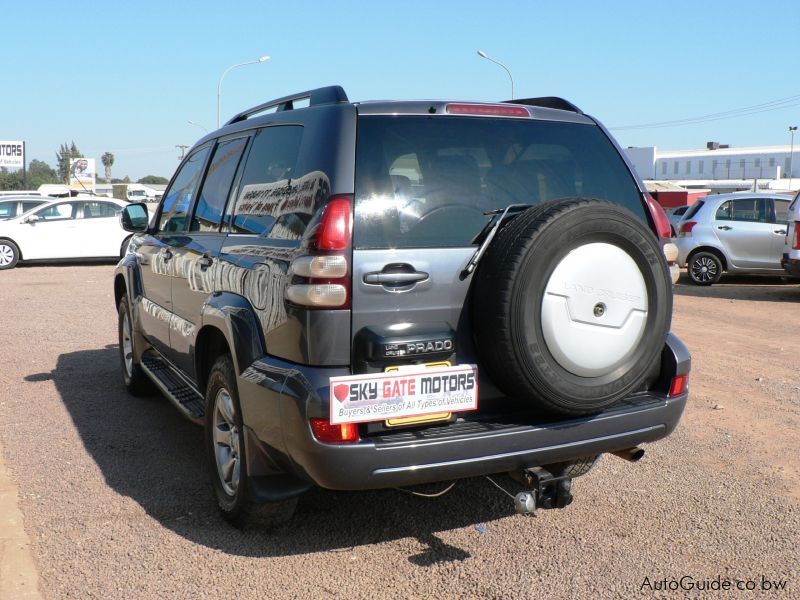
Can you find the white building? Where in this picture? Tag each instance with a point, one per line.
(716, 162)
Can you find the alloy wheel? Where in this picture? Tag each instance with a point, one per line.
(227, 442)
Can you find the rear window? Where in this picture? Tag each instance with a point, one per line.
(693, 210)
(427, 181)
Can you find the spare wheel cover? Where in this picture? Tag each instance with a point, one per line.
(594, 309)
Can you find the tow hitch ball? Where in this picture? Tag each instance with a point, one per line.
(547, 491)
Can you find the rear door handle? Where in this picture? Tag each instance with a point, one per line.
(167, 253)
(395, 275)
(724, 228)
(205, 261)
(780, 231)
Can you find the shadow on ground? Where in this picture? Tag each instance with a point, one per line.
(148, 452)
(760, 289)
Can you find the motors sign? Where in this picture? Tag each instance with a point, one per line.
(12, 154)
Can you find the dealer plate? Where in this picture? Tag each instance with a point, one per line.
(403, 395)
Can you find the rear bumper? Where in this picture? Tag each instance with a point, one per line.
(482, 448)
(467, 448)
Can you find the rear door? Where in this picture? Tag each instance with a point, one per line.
(197, 256)
(422, 188)
(99, 225)
(742, 226)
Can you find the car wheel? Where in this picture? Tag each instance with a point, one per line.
(704, 268)
(572, 304)
(227, 459)
(133, 376)
(9, 254)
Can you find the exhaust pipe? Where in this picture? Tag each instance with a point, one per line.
(634, 454)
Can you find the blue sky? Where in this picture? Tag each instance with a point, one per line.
(126, 77)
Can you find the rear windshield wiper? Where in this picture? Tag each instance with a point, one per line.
(487, 234)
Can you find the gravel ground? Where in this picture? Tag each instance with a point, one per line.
(117, 503)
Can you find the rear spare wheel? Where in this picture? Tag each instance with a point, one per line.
(572, 303)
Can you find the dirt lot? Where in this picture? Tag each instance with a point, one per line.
(116, 503)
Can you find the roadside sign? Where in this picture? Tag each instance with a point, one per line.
(12, 154)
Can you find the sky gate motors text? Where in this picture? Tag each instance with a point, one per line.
(429, 384)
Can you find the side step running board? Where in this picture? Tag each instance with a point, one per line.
(184, 396)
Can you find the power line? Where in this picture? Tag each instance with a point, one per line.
(779, 104)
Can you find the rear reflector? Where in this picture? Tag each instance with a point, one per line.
(335, 226)
(343, 433)
(326, 266)
(796, 241)
(495, 110)
(679, 385)
(660, 219)
(319, 295)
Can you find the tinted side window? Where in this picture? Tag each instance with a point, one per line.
(753, 210)
(178, 198)
(267, 178)
(99, 210)
(217, 185)
(781, 211)
(26, 206)
(8, 210)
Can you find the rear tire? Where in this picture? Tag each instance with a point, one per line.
(9, 255)
(133, 376)
(227, 459)
(704, 268)
(572, 304)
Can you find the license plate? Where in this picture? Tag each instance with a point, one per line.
(403, 395)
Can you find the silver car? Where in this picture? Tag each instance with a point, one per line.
(738, 233)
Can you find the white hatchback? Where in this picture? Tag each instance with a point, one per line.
(65, 228)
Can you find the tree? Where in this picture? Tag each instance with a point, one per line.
(153, 179)
(10, 180)
(63, 156)
(108, 162)
(39, 173)
(126, 179)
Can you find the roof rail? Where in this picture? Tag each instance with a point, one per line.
(548, 102)
(332, 94)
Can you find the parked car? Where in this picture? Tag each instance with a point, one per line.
(12, 206)
(325, 289)
(790, 261)
(64, 229)
(740, 233)
(675, 215)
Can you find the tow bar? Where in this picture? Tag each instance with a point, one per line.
(546, 491)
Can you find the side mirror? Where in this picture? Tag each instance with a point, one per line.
(31, 219)
(134, 218)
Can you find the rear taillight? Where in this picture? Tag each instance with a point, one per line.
(660, 219)
(342, 433)
(796, 239)
(686, 229)
(679, 385)
(321, 279)
(492, 110)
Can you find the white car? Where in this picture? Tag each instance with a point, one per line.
(64, 228)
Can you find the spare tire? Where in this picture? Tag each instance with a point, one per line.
(572, 304)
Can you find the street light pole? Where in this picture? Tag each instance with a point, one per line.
(219, 86)
(483, 54)
(792, 129)
(197, 125)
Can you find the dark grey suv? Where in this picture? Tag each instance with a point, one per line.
(383, 294)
